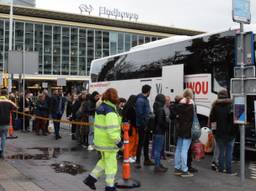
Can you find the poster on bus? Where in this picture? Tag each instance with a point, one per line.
(239, 110)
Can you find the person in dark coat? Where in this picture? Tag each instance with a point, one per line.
(129, 115)
(184, 113)
(6, 106)
(224, 131)
(173, 117)
(142, 118)
(90, 109)
(41, 111)
(57, 110)
(168, 119)
(83, 116)
(74, 107)
(161, 126)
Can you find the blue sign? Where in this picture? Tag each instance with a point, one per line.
(239, 110)
(241, 11)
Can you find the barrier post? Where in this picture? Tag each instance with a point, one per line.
(11, 130)
(126, 181)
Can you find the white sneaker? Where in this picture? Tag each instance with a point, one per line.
(132, 160)
(90, 148)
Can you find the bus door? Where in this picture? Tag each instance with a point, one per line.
(173, 80)
(172, 85)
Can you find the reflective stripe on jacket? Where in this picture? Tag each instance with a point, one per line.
(107, 131)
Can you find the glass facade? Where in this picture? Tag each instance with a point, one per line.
(65, 50)
(29, 3)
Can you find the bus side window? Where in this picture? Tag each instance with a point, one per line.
(107, 72)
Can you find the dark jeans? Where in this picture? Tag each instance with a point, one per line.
(190, 158)
(56, 124)
(158, 144)
(226, 153)
(153, 149)
(143, 143)
(26, 128)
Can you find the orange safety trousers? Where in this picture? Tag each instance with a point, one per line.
(133, 141)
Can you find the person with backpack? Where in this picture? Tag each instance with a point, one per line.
(161, 126)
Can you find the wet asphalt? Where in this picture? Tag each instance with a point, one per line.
(62, 165)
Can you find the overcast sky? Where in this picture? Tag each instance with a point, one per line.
(205, 15)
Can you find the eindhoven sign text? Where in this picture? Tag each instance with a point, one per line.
(87, 8)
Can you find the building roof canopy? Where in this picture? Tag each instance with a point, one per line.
(55, 15)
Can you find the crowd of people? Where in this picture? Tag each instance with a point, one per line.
(43, 106)
(146, 124)
(105, 113)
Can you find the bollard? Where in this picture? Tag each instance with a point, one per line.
(11, 130)
(126, 181)
(11, 126)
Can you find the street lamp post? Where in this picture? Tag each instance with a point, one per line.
(10, 26)
(10, 44)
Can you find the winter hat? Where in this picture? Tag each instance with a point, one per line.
(222, 94)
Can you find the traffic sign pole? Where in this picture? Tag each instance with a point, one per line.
(241, 13)
(242, 126)
(10, 77)
(23, 87)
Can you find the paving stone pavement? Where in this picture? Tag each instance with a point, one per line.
(13, 180)
(34, 174)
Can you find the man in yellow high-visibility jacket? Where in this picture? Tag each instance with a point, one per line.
(107, 140)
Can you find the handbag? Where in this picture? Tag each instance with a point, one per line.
(196, 128)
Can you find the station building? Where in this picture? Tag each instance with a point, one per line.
(67, 43)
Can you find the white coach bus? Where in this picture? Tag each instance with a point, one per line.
(203, 63)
